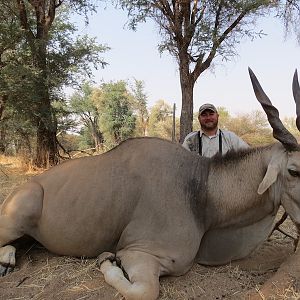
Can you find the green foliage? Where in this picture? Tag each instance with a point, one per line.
(86, 139)
(161, 121)
(16, 137)
(71, 142)
(116, 118)
(70, 57)
(289, 12)
(140, 108)
(81, 101)
(253, 128)
(198, 27)
(196, 125)
(224, 115)
(290, 125)
(37, 64)
(82, 105)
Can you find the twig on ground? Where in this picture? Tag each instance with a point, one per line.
(4, 172)
(276, 227)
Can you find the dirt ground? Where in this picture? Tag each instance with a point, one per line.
(40, 274)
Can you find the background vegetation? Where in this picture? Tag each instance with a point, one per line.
(42, 54)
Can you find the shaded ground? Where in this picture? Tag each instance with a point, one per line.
(40, 274)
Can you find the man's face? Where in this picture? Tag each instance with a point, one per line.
(208, 119)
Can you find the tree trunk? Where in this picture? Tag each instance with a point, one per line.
(3, 100)
(187, 88)
(2, 140)
(186, 117)
(46, 147)
(46, 150)
(47, 153)
(97, 136)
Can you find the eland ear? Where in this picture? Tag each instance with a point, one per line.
(269, 178)
(274, 167)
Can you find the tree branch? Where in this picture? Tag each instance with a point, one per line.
(200, 67)
(198, 20)
(24, 22)
(51, 13)
(59, 3)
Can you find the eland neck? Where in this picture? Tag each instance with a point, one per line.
(232, 189)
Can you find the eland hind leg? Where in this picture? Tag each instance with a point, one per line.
(141, 278)
(19, 214)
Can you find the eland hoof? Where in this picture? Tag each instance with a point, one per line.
(106, 256)
(7, 260)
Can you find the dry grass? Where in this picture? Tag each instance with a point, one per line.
(13, 172)
(43, 274)
(289, 293)
(10, 165)
(13, 162)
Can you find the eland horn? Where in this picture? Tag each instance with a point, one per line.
(296, 94)
(280, 133)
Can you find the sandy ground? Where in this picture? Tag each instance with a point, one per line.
(40, 274)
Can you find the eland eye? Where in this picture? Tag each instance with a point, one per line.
(294, 173)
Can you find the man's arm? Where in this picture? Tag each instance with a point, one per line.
(185, 144)
(189, 141)
(237, 143)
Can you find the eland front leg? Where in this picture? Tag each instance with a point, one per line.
(141, 278)
(19, 214)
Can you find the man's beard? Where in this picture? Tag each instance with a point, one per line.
(209, 125)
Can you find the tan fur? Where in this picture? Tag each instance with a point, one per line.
(154, 206)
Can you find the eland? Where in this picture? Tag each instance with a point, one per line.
(150, 208)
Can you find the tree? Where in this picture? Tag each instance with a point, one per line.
(53, 59)
(253, 128)
(9, 38)
(195, 33)
(81, 104)
(290, 124)
(289, 12)
(140, 108)
(161, 120)
(116, 118)
(37, 37)
(16, 137)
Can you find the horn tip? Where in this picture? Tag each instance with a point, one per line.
(251, 73)
(295, 77)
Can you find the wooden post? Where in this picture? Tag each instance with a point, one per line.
(174, 124)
